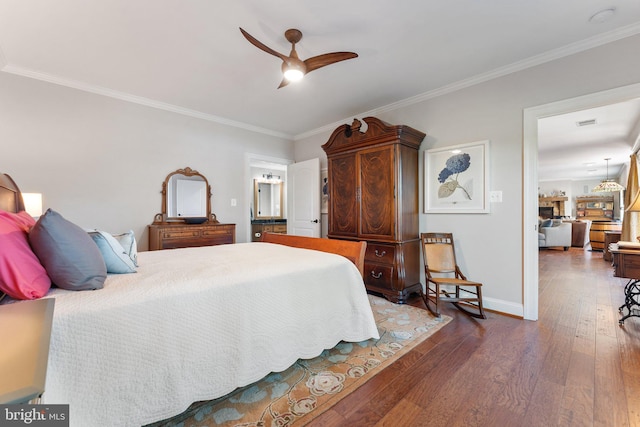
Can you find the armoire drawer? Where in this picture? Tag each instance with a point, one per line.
(384, 254)
(378, 275)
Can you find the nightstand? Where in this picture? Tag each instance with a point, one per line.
(25, 336)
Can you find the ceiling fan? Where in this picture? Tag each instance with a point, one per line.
(293, 68)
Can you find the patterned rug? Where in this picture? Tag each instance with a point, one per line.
(311, 386)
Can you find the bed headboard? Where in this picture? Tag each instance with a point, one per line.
(10, 195)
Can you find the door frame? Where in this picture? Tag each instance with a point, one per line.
(530, 178)
(260, 161)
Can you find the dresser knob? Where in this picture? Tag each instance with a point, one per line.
(376, 276)
(380, 254)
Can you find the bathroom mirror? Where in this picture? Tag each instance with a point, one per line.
(186, 197)
(267, 199)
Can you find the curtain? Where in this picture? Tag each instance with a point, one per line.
(630, 219)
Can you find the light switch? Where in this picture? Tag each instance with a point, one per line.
(495, 196)
(234, 202)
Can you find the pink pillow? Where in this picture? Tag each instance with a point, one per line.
(21, 274)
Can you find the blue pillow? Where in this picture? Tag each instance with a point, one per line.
(67, 253)
(115, 257)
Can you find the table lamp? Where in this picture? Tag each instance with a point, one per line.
(33, 203)
(634, 207)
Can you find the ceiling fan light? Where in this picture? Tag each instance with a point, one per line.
(293, 74)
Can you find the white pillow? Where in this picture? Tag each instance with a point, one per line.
(128, 242)
(115, 257)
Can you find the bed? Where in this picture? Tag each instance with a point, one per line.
(195, 323)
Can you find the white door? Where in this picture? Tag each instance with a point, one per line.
(303, 198)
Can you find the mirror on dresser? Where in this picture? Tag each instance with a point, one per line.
(186, 197)
(186, 219)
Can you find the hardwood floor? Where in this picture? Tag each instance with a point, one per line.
(575, 366)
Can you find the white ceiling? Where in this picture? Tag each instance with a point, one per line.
(567, 151)
(189, 56)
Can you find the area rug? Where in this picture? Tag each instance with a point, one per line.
(310, 387)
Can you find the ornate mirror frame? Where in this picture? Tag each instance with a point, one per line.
(188, 172)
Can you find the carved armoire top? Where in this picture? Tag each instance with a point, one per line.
(348, 137)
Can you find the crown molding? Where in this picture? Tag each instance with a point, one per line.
(123, 96)
(548, 56)
(551, 55)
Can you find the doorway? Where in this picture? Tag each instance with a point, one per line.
(530, 178)
(257, 166)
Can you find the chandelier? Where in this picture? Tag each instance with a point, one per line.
(607, 185)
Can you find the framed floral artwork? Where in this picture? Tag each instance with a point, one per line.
(456, 179)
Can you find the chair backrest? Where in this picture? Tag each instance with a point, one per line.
(439, 252)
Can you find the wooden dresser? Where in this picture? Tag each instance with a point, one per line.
(373, 196)
(626, 264)
(180, 235)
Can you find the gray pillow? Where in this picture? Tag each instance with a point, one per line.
(67, 253)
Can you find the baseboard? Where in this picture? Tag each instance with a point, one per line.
(502, 306)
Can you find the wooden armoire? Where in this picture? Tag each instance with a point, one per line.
(373, 196)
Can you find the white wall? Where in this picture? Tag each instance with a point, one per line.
(490, 246)
(101, 162)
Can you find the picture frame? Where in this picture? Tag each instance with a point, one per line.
(456, 178)
(324, 191)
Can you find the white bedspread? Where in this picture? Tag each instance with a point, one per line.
(193, 324)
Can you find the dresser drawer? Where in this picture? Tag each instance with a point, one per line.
(170, 236)
(180, 234)
(217, 232)
(280, 228)
(384, 254)
(627, 265)
(274, 228)
(378, 275)
(220, 239)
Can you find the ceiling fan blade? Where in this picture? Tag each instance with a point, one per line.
(283, 83)
(262, 46)
(327, 59)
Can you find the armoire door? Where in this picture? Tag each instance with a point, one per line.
(377, 193)
(343, 196)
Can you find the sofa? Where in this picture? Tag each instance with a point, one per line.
(554, 233)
